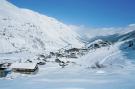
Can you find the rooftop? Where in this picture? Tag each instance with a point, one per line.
(24, 65)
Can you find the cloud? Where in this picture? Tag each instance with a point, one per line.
(131, 25)
(89, 32)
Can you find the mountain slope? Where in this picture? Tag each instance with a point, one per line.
(107, 50)
(23, 29)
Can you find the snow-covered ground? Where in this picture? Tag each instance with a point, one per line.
(73, 77)
(118, 75)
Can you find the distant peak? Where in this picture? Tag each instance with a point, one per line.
(6, 4)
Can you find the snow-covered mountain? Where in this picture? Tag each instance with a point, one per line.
(26, 30)
(110, 48)
(23, 31)
(99, 58)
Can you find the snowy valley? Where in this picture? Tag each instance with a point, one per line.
(62, 57)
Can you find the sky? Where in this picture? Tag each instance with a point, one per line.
(91, 13)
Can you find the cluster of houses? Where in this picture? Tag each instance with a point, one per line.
(77, 52)
(70, 53)
(32, 68)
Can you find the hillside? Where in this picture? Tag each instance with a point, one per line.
(23, 29)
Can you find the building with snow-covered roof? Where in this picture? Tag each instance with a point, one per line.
(24, 67)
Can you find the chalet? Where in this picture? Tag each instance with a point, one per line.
(3, 71)
(71, 55)
(72, 50)
(83, 50)
(27, 68)
(43, 57)
(1, 65)
(52, 53)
